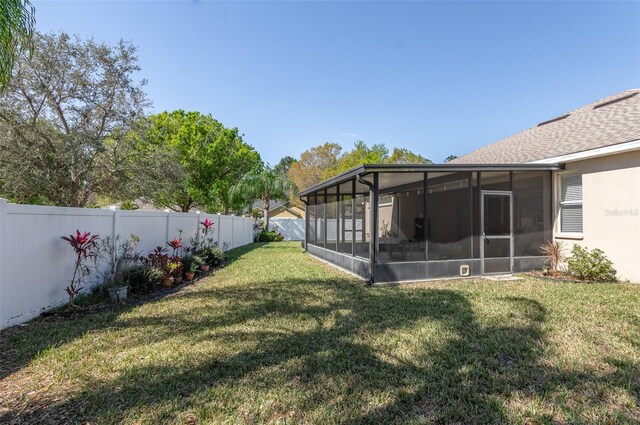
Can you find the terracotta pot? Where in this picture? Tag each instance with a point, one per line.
(205, 268)
(189, 276)
(167, 281)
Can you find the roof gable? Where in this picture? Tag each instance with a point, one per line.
(606, 122)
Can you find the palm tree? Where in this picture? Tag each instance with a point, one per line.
(266, 185)
(17, 22)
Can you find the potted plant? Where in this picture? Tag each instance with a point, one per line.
(118, 291)
(191, 263)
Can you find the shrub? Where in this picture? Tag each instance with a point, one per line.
(590, 265)
(143, 280)
(213, 255)
(192, 263)
(270, 236)
(554, 253)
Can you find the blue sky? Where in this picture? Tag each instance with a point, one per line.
(438, 78)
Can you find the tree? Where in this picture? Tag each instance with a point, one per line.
(405, 156)
(65, 112)
(17, 22)
(266, 185)
(360, 154)
(284, 165)
(206, 160)
(450, 158)
(314, 165)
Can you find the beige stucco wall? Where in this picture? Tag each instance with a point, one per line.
(611, 210)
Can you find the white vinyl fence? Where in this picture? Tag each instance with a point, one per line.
(36, 265)
(291, 228)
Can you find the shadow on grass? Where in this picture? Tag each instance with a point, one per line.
(19, 344)
(469, 371)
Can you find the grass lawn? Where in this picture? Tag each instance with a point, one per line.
(278, 337)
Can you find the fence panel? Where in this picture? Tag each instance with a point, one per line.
(36, 265)
(291, 228)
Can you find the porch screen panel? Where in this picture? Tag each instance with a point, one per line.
(449, 216)
(346, 218)
(401, 235)
(319, 216)
(361, 248)
(531, 211)
(310, 233)
(332, 222)
(498, 180)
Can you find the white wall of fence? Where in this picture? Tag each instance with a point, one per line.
(291, 228)
(36, 265)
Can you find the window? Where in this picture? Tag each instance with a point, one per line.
(570, 202)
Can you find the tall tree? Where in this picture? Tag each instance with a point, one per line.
(63, 103)
(266, 185)
(283, 166)
(405, 156)
(17, 22)
(314, 165)
(209, 160)
(450, 158)
(360, 154)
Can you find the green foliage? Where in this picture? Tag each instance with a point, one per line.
(129, 206)
(405, 156)
(450, 158)
(270, 236)
(204, 160)
(212, 255)
(143, 280)
(360, 154)
(590, 265)
(72, 146)
(192, 263)
(266, 185)
(284, 165)
(17, 23)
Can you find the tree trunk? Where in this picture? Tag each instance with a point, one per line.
(266, 212)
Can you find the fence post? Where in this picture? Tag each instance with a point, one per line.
(233, 231)
(198, 217)
(166, 239)
(3, 211)
(219, 230)
(114, 225)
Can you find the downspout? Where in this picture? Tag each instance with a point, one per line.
(306, 224)
(372, 228)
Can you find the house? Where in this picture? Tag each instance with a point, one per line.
(575, 178)
(279, 209)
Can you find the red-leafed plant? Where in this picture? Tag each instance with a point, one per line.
(175, 244)
(207, 228)
(84, 245)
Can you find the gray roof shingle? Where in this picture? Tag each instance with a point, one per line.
(595, 125)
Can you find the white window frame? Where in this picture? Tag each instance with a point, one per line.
(559, 204)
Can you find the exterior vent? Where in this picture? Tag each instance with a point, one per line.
(553, 120)
(464, 270)
(615, 100)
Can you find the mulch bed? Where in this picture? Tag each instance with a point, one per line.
(131, 301)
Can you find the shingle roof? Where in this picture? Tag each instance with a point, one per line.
(609, 121)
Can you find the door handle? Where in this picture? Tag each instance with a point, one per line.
(486, 240)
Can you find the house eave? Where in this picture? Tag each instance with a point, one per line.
(421, 168)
